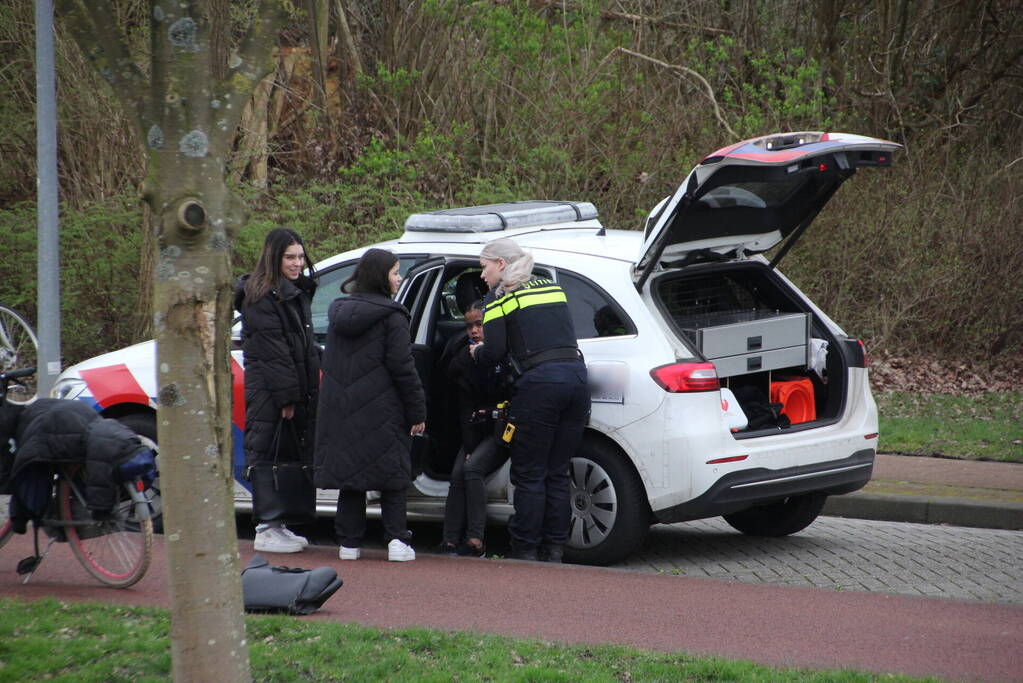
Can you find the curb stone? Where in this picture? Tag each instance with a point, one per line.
(924, 510)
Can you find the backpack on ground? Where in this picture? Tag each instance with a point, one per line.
(286, 589)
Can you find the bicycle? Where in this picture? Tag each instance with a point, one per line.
(19, 348)
(116, 550)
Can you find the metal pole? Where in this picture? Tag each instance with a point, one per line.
(48, 252)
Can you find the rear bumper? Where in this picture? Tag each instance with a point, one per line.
(739, 490)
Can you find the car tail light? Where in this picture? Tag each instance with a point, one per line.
(686, 377)
(863, 348)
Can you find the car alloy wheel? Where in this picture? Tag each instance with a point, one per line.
(594, 503)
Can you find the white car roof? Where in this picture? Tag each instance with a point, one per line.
(618, 245)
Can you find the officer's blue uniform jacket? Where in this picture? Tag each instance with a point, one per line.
(527, 324)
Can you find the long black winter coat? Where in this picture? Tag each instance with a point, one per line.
(479, 388)
(282, 365)
(52, 431)
(370, 398)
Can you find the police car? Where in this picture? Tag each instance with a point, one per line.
(718, 387)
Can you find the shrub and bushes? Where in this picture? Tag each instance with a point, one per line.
(454, 104)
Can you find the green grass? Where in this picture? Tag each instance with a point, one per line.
(974, 427)
(88, 642)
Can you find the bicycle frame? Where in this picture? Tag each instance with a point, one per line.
(135, 492)
(115, 548)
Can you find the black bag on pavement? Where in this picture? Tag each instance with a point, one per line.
(283, 490)
(286, 589)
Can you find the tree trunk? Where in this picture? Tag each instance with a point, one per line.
(319, 19)
(188, 117)
(142, 316)
(193, 297)
(253, 149)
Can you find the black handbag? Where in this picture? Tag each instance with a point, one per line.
(286, 589)
(283, 491)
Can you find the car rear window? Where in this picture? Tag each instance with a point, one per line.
(594, 313)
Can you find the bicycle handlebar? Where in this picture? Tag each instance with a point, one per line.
(16, 374)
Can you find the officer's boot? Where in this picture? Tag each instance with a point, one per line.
(519, 553)
(550, 552)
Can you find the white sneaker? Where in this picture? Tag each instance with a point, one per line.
(349, 553)
(294, 537)
(400, 552)
(272, 540)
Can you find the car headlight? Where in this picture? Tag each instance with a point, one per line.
(68, 388)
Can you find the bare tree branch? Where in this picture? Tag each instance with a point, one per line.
(319, 19)
(94, 28)
(353, 54)
(251, 62)
(623, 16)
(346, 36)
(678, 69)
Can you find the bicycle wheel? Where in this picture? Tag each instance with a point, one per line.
(116, 551)
(6, 527)
(19, 348)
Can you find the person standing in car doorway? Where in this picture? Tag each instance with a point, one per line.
(480, 390)
(374, 403)
(282, 365)
(526, 322)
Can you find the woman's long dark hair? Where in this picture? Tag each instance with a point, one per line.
(370, 276)
(266, 275)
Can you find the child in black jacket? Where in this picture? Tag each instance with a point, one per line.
(465, 513)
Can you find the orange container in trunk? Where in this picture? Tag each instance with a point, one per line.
(796, 398)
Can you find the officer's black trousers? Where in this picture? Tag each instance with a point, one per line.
(550, 406)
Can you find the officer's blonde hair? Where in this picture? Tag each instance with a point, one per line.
(518, 263)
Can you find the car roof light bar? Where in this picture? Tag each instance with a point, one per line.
(498, 217)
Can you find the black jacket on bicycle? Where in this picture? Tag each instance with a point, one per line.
(51, 432)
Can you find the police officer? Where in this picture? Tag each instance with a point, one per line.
(526, 322)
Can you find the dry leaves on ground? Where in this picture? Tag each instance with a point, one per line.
(937, 376)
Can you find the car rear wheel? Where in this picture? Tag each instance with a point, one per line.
(610, 514)
(780, 518)
(144, 426)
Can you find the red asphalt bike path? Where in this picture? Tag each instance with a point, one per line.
(773, 625)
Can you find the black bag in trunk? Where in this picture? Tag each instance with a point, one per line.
(759, 410)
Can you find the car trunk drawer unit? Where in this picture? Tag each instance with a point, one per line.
(743, 342)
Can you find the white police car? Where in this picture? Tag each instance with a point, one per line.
(692, 341)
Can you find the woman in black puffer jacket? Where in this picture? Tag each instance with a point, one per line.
(282, 363)
(374, 401)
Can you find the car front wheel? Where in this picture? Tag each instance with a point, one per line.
(780, 518)
(610, 514)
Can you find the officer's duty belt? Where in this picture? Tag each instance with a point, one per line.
(557, 353)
